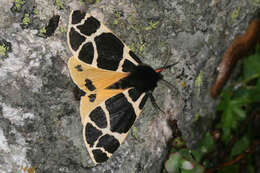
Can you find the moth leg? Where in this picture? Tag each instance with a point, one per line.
(168, 57)
(169, 85)
(155, 105)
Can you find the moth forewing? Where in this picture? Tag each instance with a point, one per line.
(96, 45)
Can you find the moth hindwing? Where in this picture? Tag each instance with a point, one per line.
(100, 65)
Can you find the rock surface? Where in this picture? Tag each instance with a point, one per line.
(40, 127)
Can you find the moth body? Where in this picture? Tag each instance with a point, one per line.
(115, 82)
(143, 77)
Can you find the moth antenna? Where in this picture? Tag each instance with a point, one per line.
(158, 70)
(155, 105)
(165, 66)
(168, 57)
(169, 66)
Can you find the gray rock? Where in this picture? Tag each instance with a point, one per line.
(40, 124)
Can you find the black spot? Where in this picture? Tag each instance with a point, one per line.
(121, 113)
(52, 25)
(89, 85)
(78, 93)
(86, 54)
(75, 39)
(98, 117)
(99, 156)
(92, 97)
(92, 134)
(114, 86)
(110, 51)
(121, 84)
(77, 16)
(128, 66)
(141, 105)
(78, 67)
(134, 94)
(90, 26)
(109, 143)
(133, 55)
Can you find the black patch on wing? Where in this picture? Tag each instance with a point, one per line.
(134, 94)
(121, 113)
(90, 26)
(114, 86)
(99, 155)
(110, 51)
(121, 84)
(142, 103)
(98, 117)
(86, 54)
(109, 143)
(92, 97)
(75, 39)
(133, 55)
(92, 134)
(78, 68)
(89, 85)
(77, 16)
(128, 66)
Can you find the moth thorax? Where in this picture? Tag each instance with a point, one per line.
(143, 78)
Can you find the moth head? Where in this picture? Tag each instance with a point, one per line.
(161, 69)
(144, 78)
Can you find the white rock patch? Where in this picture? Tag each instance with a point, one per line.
(13, 157)
(16, 116)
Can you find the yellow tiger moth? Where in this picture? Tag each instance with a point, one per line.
(115, 82)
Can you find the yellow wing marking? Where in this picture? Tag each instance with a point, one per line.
(101, 79)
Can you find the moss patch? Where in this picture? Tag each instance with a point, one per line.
(26, 19)
(235, 13)
(5, 47)
(18, 4)
(2, 50)
(59, 4)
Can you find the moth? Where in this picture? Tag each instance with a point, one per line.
(115, 82)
